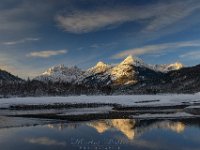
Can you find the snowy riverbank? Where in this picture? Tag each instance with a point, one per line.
(125, 100)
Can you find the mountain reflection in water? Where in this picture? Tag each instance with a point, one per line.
(132, 128)
(113, 134)
(129, 127)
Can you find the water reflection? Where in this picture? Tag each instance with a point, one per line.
(62, 126)
(126, 126)
(132, 128)
(129, 127)
(124, 134)
(45, 141)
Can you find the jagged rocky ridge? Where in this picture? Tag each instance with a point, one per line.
(60, 73)
(125, 73)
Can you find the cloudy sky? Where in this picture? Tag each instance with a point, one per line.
(38, 34)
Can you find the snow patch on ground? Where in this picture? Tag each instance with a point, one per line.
(126, 100)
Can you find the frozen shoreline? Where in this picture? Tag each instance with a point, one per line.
(84, 108)
(125, 100)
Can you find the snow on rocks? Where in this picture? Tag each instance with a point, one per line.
(60, 73)
(125, 68)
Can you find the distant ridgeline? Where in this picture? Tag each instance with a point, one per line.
(8, 77)
(131, 76)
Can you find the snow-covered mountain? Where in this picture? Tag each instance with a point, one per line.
(124, 73)
(167, 67)
(131, 76)
(60, 73)
(100, 67)
(135, 61)
(164, 68)
(96, 76)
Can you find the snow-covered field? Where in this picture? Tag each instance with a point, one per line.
(127, 100)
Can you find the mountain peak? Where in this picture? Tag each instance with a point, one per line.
(58, 66)
(100, 67)
(60, 73)
(130, 60)
(167, 67)
(100, 64)
(174, 66)
(53, 69)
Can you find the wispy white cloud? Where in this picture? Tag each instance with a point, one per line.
(159, 15)
(171, 13)
(46, 53)
(85, 21)
(100, 45)
(20, 41)
(151, 49)
(193, 55)
(45, 141)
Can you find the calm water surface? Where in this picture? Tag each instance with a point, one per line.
(123, 134)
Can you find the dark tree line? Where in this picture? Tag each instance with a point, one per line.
(37, 88)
